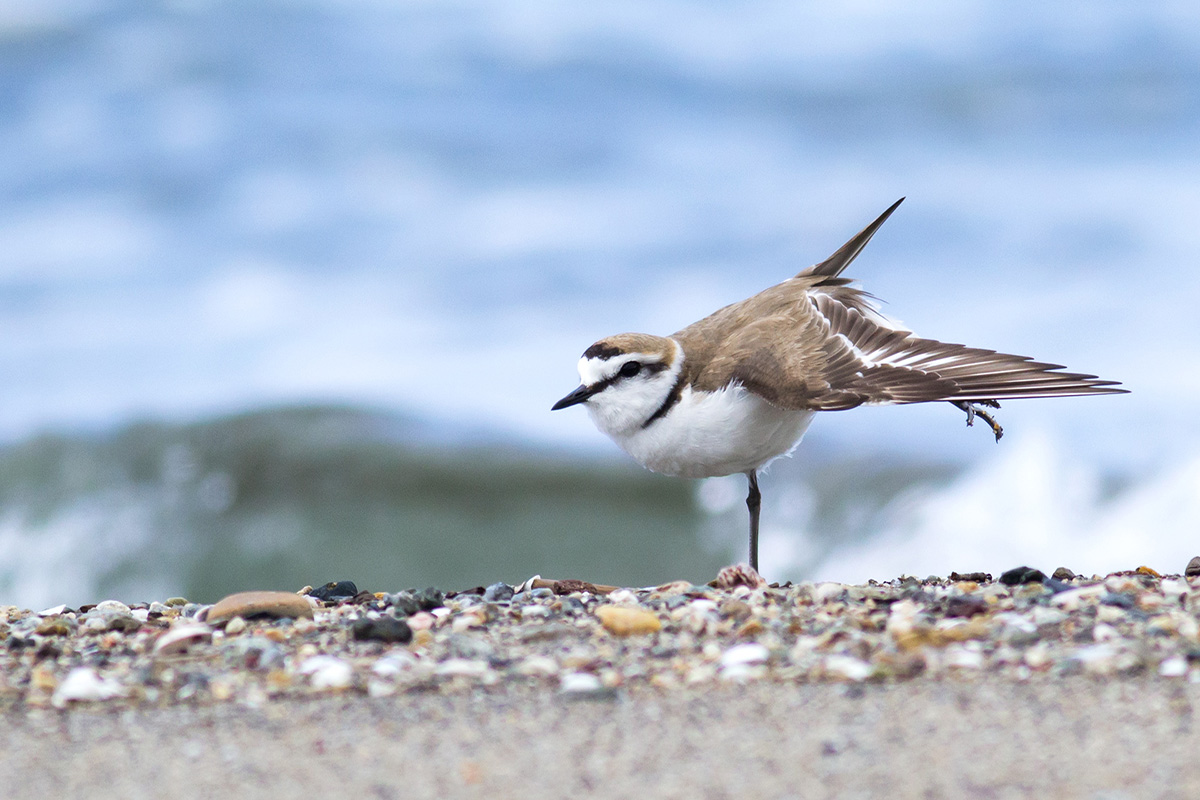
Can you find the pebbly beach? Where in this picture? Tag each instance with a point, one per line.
(964, 685)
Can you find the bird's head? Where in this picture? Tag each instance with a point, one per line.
(625, 379)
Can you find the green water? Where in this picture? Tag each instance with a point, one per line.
(286, 497)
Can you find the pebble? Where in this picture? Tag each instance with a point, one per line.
(743, 654)
(498, 593)
(964, 657)
(403, 603)
(594, 644)
(828, 592)
(111, 607)
(429, 599)
(966, 606)
(1074, 599)
(265, 604)
(584, 686)
(383, 629)
(622, 621)
(1173, 667)
(462, 668)
(56, 626)
(335, 590)
(1022, 575)
(847, 668)
(84, 684)
(327, 672)
(537, 666)
(182, 637)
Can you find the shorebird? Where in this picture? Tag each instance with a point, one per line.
(738, 389)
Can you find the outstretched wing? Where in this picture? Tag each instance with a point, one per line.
(815, 342)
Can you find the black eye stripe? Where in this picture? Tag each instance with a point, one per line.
(645, 368)
(631, 368)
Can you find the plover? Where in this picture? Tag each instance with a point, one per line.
(738, 389)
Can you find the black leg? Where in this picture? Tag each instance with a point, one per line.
(753, 502)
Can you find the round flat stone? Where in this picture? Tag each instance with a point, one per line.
(260, 604)
(623, 621)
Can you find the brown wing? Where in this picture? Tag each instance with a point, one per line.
(814, 342)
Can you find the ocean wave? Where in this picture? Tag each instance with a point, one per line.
(1032, 503)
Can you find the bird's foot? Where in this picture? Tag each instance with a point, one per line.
(975, 409)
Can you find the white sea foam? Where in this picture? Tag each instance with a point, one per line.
(92, 547)
(1032, 503)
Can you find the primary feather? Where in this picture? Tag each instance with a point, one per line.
(814, 342)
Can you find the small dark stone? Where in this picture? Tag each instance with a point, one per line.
(1119, 599)
(919, 596)
(965, 606)
(335, 590)
(498, 593)
(571, 585)
(123, 624)
(1193, 568)
(363, 598)
(404, 603)
(573, 605)
(1063, 574)
(49, 648)
(1020, 575)
(429, 599)
(1056, 586)
(384, 629)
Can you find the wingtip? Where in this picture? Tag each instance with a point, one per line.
(837, 263)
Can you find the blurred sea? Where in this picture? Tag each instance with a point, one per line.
(287, 289)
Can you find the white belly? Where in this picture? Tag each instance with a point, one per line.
(722, 433)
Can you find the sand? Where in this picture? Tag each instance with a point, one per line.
(1063, 737)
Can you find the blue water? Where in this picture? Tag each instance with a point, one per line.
(435, 207)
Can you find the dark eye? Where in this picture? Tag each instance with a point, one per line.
(630, 368)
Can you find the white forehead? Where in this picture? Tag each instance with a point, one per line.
(592, 370)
